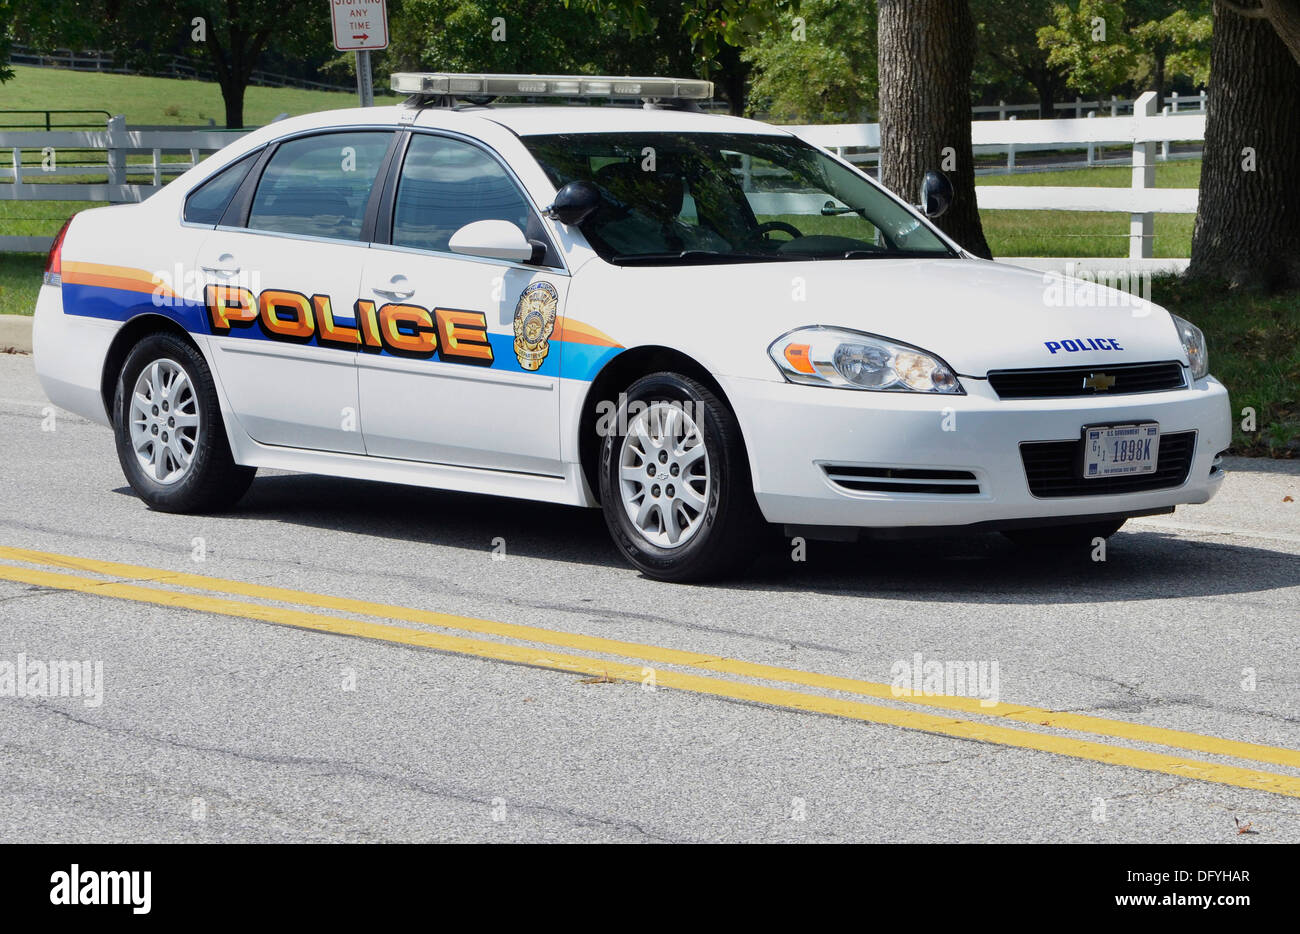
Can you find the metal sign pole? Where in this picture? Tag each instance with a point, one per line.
(365, 82)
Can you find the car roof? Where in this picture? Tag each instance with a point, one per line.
(536, 121)
(521, 120)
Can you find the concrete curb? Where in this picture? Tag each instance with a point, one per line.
(15, 333)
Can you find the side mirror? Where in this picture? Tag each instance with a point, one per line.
(936, 194)
(574, 203)
(495, 240)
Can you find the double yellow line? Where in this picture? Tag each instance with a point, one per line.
(941, 723)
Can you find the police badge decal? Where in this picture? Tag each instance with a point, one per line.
(534, 322)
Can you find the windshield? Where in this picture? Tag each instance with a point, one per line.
(676, 198)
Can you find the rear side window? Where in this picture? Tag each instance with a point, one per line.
(318, 186)
(207, 203)
(447, 184)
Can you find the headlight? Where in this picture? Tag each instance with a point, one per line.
(821, 356)
(1198, 355)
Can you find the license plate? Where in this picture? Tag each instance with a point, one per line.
(1120, 450)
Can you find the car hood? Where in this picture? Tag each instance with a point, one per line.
(974, 314)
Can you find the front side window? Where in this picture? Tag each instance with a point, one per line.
(446, 184)
(207, 203)
(318, 186)
(728, 197)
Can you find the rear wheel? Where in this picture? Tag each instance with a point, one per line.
(171, 440)
(675, 485)
(1064, 536)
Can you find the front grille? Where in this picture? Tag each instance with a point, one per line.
(1069, 381)
(1053, 468)
(901, 479)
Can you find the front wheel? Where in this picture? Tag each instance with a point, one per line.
(675, 485)
(1064, 536)
(171, 441)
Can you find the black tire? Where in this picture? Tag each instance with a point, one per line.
(1064, 536)
(213, 481)
(730, 526)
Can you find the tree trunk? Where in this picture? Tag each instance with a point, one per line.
(1045, 83)
(1160, 82)
(734, 79)
(232, 92)
(1248, 218)
(927, 49)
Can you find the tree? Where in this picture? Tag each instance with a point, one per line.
(1247, 221)
(6, 38)
(1105, 43)
(235, 34)
(817, 66)
(228, 35)
(531, 36)
(1009, 52)
(718, 30)
(926, 50)
(1169, 42)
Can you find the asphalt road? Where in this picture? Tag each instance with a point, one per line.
(239, 719)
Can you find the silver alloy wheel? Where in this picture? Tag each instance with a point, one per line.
(664, 477)
(164, 421)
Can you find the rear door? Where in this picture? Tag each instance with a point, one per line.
(469, 369)
(281, 275)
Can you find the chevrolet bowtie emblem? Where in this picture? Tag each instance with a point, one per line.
(1099, 382)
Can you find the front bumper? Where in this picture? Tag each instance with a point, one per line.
(792, 432)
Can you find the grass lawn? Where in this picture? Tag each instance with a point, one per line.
(154, 100)
(1254, 345)
(20, 280)
(1086, 233)
(1181, 173)
(1080, 233)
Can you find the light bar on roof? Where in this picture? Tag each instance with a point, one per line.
(551, 86)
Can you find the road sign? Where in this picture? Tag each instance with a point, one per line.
(359, 25)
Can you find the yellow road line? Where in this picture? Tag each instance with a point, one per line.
(1082, 723)
(776, 697)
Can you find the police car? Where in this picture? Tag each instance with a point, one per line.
(700, 324)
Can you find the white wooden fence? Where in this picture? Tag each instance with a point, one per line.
(116, 141)
(1142, 131)
(1116, 106)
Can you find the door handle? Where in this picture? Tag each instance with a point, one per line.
(397, 287)
(227, 267)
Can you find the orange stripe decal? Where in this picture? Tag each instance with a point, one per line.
(116, 277)
(576, 332)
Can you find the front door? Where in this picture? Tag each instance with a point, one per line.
(468, 373)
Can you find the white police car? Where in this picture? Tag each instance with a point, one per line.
(700, 323)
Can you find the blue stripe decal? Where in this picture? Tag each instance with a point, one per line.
(97, 301)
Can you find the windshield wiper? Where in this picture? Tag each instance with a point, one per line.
(687, 257)
(895, 254)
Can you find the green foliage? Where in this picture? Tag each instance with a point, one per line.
(1009, 61)
(6, 38)
(1183, 37)
(817, 65)
(537, 36)
(1103, 43)
(1087, 42)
